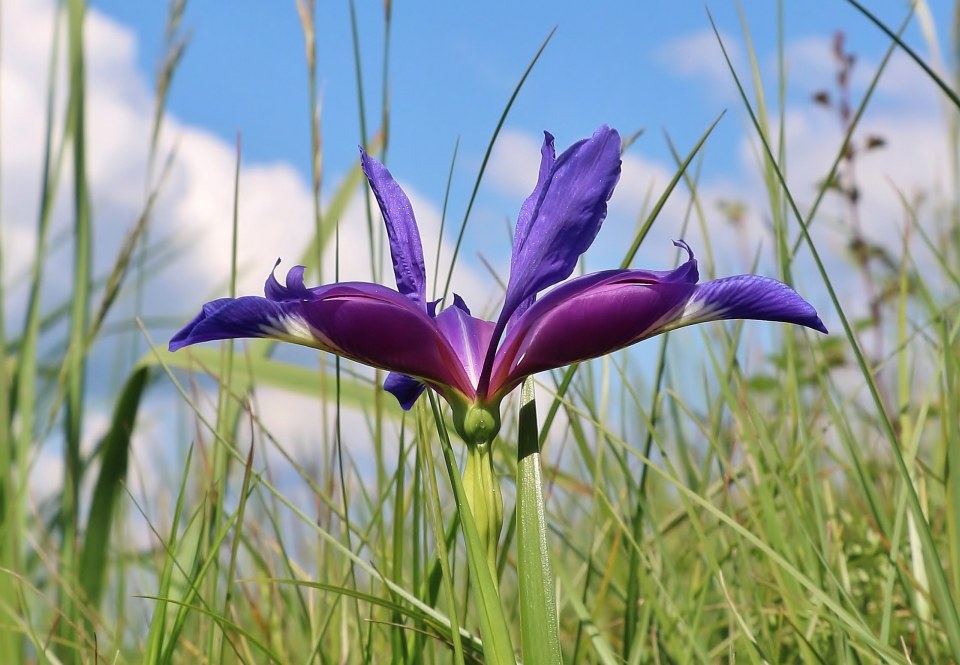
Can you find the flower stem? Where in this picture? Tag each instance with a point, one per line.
(483, 495)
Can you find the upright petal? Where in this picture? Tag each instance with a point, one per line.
(402, 232)
(570, 207)
(365, 322)
(548, 156)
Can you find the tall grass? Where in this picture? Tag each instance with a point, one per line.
(797, 502)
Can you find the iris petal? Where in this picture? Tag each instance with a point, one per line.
(586, 318)
(548, 155)
(570, 207)
(294, 288)
(402, 232)
(467, 335)
(405, 388)
(748, 297)
(461, 356)
(599, 313)
(369, 323)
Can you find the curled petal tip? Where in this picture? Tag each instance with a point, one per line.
(460, 304)
(682, 244)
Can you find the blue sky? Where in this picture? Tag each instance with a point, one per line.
(454, 65)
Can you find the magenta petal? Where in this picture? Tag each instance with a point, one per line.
(368, 323)
(599, 313)
(402, 232)
(586, 318)
(468, 336)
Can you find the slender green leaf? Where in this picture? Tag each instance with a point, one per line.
(114, 452)
(539, 628)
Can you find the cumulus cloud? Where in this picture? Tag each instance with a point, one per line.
(194, 211)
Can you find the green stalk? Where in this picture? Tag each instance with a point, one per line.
(225, 431)
(75, 364)
(9, 542)
(483, 496)
(940, 588)
(539, 629)
(497, 646)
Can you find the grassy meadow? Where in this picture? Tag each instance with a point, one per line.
(791, 501)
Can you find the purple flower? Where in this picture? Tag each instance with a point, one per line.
(474, 363)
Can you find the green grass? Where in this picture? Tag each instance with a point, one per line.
(797, 501)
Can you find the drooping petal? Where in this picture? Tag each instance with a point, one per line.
(468, 336)
(405, 388)
(402, 232)
(586, 318)
(228, 318)
(748, 297)
(600, 313)
(365, 322)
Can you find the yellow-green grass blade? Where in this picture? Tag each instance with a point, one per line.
(939, 586)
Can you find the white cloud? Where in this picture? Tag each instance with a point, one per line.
(699, 55)
(196, 202)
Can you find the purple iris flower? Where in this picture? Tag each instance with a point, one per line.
(474, 363)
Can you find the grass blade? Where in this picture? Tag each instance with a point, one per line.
(114, 451)
(539, 629)
(938, 582)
